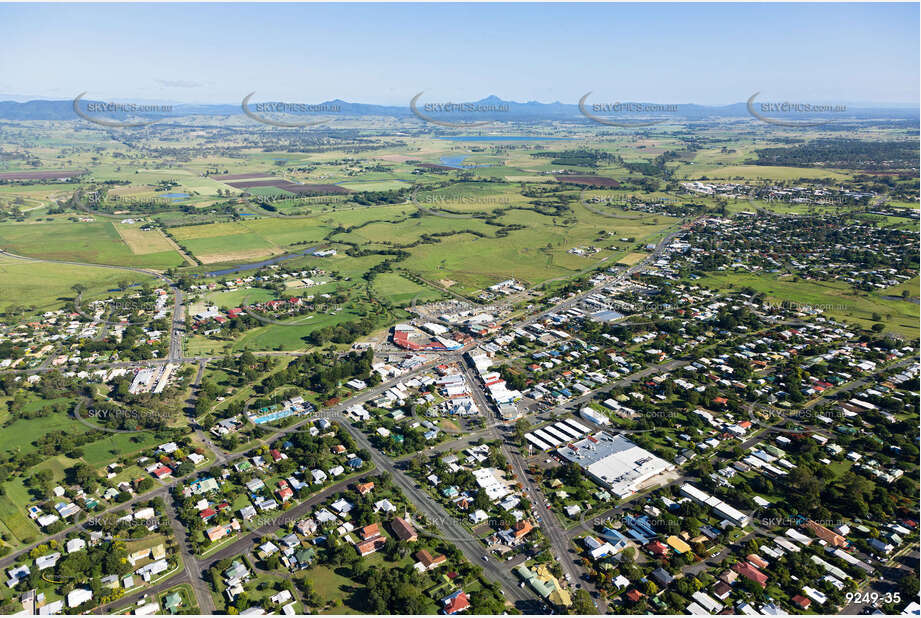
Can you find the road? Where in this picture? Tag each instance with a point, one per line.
(549, 524)
(447, 524)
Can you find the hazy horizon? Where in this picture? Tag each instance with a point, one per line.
(711, 54)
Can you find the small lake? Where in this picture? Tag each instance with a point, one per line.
(176, 197)
(258, 265)
(458, 162)
(908, 300)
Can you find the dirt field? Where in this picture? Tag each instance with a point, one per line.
(237, 256)
(142, 243)
(52, 175)
(395, 158)
(529, 178)
(632, 258)
(130, 190)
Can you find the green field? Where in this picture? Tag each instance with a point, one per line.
(47, 286)
(400, 291)
(95, 243)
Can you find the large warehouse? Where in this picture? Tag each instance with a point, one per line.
(615, 462)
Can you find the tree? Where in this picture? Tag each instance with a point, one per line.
(582, 604)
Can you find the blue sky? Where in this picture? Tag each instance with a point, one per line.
(377, 53)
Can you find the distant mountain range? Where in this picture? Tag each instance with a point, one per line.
(528, 111)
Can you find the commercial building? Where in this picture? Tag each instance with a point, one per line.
(615, 462)
(719, 507)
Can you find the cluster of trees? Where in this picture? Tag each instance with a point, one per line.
(583, 157)
(843, 153)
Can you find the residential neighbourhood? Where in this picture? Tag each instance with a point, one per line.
(646, 345)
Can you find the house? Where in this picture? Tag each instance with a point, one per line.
(202, 486)
(254, 485)
(370, 546)
(307, 527)
(303, 558)
(722, 590)
(50, 609)
(801, 602)
(78, 596)
(148, 609)
(521, 529)
(832, 538)
(342, 506)
(729, 577)
(656, 548)
(596, 548)
(748, 571)
(426, 562)
(678, 544)
(364, 488)
(220, 531)
(661, 576)
(707, 602)
(74, 545)
(371, 531)
(633, 595)
(154, 568)
(66, 509)
(267, 549)
(384, 505)
(172, 602)
(285, 494)
(478, 516)
(236, 572)
(403, 529)
(456, 602)
(47, 561)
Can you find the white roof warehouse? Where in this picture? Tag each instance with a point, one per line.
(615, 462)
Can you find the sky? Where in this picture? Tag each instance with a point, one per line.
(710, 54)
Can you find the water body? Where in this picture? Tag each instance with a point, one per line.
(258, 265)
(458, 163)
(505, 138)
(908, 300)
(176, 197)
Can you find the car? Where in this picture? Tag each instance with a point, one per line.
(485, 558)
